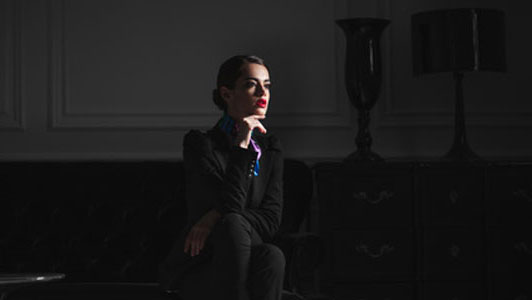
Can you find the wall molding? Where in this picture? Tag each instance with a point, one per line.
(61, 116)
(91, 156)
(388, 116)
(127, 156)
(11, 108)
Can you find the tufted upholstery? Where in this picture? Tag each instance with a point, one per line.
(95, 221)
(106, 222)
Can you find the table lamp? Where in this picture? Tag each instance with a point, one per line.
(458, 41)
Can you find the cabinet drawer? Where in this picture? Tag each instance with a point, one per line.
(367, 201)
(376, 201)
(395, 291)
(512, 288)
(456, 254)
(469, 290)
(451, 197)
(375, 254)
(510, 252)
(510, 196)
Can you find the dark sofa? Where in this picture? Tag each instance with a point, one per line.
(108, 225)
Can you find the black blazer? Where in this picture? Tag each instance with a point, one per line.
(219, 175)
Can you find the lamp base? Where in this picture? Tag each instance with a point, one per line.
(363, 156)
(462, 153)
(460, 150)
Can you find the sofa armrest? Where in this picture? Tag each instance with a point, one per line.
(92, 291)
(303, 252)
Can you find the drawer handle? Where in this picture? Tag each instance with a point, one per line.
(453, 196)
(384, 249)
(524, 194)
(363, 196)
(454, 250)
(522, 246)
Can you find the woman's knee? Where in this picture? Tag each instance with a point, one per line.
(232, 226)
(273, 257)
(233, 221)
(233, 218)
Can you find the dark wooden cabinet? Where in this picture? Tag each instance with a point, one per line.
(426, 230)
(509, 231)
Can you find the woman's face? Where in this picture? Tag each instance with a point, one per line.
(251, 94)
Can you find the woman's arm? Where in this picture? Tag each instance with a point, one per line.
(266, 219)
(211, 192)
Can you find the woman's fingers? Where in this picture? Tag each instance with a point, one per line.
(255, 123)
(188, 243)
(259, 124)
(246, 126)
(195, 249)
(201, 241)
(195, 241)
(261, 127)
(193, 245)
(251, 122)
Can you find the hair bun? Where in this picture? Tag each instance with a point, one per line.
(217, 99)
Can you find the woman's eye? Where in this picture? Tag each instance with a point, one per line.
(268, 86)
(250, 84)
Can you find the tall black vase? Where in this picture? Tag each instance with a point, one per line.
(363, 77)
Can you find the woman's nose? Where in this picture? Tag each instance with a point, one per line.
(260, 90)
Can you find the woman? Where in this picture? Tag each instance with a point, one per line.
(234, 196)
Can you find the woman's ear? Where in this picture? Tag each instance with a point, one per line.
(226, 94)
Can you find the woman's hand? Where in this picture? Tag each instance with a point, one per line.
(245, 128)
(200, 231)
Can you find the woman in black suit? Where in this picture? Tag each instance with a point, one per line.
(234, 196)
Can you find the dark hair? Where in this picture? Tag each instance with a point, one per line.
(229, 72)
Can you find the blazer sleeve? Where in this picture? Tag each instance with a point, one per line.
(266, 219)
(207, 185)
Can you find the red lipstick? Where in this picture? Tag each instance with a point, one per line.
(262, 103)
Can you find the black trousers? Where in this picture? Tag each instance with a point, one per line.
(242, 266)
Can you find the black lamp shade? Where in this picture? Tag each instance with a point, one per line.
(458, 40)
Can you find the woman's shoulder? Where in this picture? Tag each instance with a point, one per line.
(196, 139)
(195, 134)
